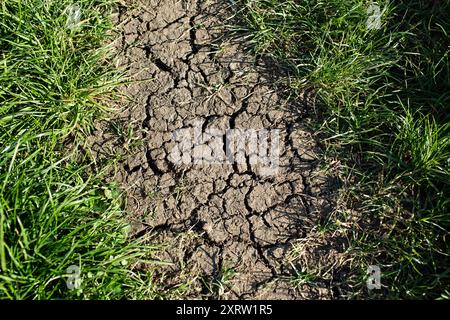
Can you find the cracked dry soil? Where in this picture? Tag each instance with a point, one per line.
(227, 230)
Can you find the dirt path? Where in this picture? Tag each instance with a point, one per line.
(228, 228)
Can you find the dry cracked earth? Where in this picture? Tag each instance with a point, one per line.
(228, 230)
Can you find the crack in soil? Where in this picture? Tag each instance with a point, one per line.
(217, 215)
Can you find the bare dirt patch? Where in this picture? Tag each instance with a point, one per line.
(228, 229)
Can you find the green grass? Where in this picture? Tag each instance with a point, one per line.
(383, 105)
(55, 212)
